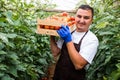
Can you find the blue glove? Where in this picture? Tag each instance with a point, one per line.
(64, 33)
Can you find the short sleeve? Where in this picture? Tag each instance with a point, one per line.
(89, 49)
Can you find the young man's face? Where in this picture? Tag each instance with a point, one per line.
(83, 20)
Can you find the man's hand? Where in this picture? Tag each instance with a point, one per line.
(64, 33)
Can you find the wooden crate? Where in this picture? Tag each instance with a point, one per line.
(50, 22)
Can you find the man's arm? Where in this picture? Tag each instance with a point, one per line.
(54, 48)
(78, 61)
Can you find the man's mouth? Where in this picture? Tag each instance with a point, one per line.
(81, 25)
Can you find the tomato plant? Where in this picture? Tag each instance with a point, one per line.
(106, 26)
(24, 55)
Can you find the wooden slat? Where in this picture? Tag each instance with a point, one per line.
(51, 22)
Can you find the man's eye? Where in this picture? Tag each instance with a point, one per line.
(78, 16)
(86, 17)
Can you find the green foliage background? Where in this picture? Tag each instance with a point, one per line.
(106, 26)
(25, 55)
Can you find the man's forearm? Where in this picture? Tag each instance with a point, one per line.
(78, 61)
(55, 50)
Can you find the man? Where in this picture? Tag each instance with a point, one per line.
(77, 49)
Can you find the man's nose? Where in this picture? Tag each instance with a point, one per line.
(82, 20)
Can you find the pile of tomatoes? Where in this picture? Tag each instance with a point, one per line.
(70, 21)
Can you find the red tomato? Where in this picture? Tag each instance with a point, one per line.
(73, 22)
(72, 18)
(51, 27)
(57, 27)
(47, 27)
(69, 23)
(64, 14)
(41, 26)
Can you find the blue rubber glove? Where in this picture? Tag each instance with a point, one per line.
(64, 33)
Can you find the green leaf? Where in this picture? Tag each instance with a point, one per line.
(3, 67)
(2, 19)
(11, 35)
(10, 21)
(10, 44)
(21, 67)
(25, 28)
(2, 24)
(1, 45)
(13, 71)
(101, 24)
(118, 65)
(40, 71)
(13, 55)
(22, 37)
(3, 37)
(9, 17)
(7, 77)
(2, 52)
(2, 74)
(108, 57)
(106, 33)
(42, 61)
(8, 14)
(17, 22)
(115, 75)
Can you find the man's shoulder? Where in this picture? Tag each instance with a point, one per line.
(91, 35)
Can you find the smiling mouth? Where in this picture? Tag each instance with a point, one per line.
(81, 25)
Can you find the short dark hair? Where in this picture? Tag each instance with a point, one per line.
(87, 7)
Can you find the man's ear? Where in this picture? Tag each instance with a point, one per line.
(92, 21)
